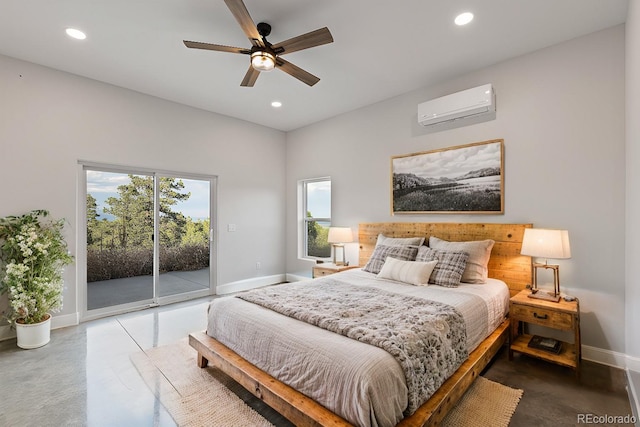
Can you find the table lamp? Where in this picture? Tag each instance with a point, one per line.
(338, 236)
(546, 243)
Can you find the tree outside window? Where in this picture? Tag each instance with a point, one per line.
(317, 217)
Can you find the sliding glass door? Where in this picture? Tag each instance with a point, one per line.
(148, 238)
(184, 219)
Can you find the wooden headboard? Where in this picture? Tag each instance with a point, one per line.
(505, 263)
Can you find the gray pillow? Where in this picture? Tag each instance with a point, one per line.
(381, 252)
(399, 241)
(479, 252)
(448, 271)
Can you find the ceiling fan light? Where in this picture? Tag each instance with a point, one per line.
(263, 61)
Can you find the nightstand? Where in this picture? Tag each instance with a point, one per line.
(326, 269)
(563, 315)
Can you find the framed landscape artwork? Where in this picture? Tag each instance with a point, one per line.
(462, 179)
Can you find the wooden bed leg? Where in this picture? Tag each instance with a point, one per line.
(202, 361)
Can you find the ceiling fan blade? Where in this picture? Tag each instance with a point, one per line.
(240, 12)
(216, 47)
(305, 41)
(297, 72)
(251, 77)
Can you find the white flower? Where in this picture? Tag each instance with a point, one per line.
(32, 277)
(16, 270)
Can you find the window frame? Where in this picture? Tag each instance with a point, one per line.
(303, 235)
(81, 230)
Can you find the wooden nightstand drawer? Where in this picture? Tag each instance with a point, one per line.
(327, 269)
(319, 272)
(542, 316)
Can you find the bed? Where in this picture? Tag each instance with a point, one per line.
(340, 373)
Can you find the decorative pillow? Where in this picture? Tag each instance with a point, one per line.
(411, 272)
(448, 271)
(381, 252)
(479, 252)
(399, 241)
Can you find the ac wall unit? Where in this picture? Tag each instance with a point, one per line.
(474, 102)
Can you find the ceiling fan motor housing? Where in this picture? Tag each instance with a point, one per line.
(264, 29)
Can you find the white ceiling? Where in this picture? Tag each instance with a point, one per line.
(381, 48)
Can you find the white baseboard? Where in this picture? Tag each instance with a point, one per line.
(633, 390)
(604, 357)
(633, 364)
(297, 277)
(7, 333)
(63, 321)
(633, 380)
(57, 322)
(245, 285)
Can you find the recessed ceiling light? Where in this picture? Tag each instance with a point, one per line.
(76, 34)
(276, 104)
(464, 18)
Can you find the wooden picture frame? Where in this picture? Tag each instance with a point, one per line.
(462, 179)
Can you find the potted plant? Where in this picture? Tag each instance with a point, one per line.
(33, 253)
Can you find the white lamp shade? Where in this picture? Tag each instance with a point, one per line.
(546, 243)
(340, 235)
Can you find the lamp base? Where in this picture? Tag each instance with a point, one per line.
(336, 261)
(547, 296)
(544, 296)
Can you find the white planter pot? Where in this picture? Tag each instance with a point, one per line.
(34, 335)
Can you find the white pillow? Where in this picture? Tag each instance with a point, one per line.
(479, 251)
(399, 241)
(412, 272)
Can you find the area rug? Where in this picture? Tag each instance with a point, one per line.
(193, 396)
(486, 403)
(205, 397)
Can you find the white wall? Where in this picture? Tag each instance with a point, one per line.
(633, 177)
(633, 194)
(49, 120)
(561, 115)
(560, 112)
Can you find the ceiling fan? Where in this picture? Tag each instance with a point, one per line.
(264, 55)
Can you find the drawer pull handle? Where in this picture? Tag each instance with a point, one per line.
(540, 316)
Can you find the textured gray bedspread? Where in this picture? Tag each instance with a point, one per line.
(427, 338)
(360, 382)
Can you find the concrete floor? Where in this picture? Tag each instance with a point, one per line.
(84, 377)
(553, 396)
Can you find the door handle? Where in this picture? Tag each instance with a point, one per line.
(540, 316)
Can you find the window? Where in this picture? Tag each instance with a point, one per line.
(316, 217)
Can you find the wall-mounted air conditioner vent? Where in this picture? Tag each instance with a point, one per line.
(468, 103)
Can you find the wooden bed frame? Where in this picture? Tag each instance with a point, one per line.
(506, 264)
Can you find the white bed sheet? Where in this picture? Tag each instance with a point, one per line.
(362, 383)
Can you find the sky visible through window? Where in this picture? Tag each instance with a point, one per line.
(102, 185)
(319, 199)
